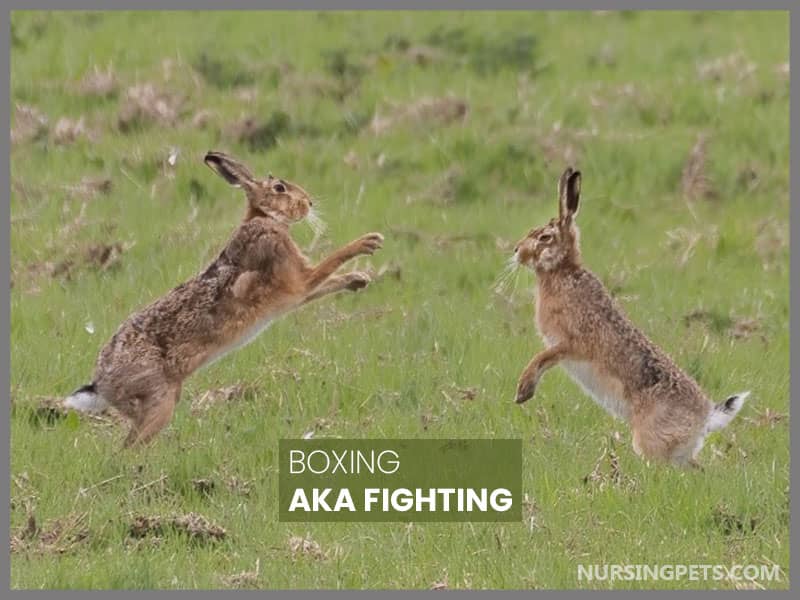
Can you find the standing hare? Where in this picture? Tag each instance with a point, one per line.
(260, 275)
(612, 360)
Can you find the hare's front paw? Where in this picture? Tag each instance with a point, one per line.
(357, 280)
(525, 389)
(369, 243)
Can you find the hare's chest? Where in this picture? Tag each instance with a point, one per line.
(546, 318)
(537, 315)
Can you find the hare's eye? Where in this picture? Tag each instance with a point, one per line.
(546, 238)
(279, 188)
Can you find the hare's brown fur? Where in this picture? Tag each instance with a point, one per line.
(259, 275)
(586, 332)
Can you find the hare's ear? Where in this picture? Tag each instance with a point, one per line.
(230, 169)
(569, 194)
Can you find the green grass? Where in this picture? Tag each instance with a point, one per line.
(618, 94)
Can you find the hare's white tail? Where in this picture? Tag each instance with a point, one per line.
(724, 412)
(86, 399)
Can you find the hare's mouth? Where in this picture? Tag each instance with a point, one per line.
(522, 257)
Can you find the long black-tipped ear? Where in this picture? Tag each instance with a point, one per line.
(230, 169)
(569, 194)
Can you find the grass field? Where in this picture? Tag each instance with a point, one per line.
(446, 132)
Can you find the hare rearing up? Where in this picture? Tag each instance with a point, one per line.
(260, 275)
(611, 359)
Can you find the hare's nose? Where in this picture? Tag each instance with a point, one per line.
(516, 249)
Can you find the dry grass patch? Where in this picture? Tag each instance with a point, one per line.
(426, 111)
(58, 536)
(194, 525)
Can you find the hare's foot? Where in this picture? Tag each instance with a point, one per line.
(356, 280)
(546, 359)
(526, 387)
(368, 243)
(338, 283)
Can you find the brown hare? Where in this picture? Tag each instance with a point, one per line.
(260, 275)
(613, 361)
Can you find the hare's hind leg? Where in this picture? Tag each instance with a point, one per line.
(649, 440)
(685, 454)
(155, 412)
(658, 439)
(663, 430)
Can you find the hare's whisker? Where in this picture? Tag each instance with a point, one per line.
(517, 273)
(316, 223)
(509, 275)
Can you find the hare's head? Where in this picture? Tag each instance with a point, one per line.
(270, 197)
(557, 243)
